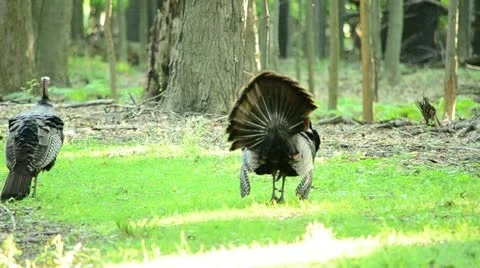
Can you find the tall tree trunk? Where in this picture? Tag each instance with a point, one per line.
(298, 42)
(366, 61)
(266, 40)
(376, 26)
(476, 30)
(320, 26)
(52, 31)
(464, 28)
(334, 56)
(283, 19)
(16, 45)
(310, 50)
(252, 50)
(110, 48)
(133, 20)
(143, 28)
(274, 44)
(77, 21)
(394, 41)
(205, 55)
(451, 62)
(122, 33)
(341, 21)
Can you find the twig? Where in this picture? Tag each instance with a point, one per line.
(394, 124)
(12, 218)
(338, 119)
(115, 127)
(88, 103)
(132, 98)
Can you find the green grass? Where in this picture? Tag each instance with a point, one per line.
(142, 198)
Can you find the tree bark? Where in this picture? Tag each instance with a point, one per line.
(265, 42)
(341, 21)
(464, 22)
(298, 42)
(366, 62)
(394, 41)
(334, 56)
(133, 21)
(251, 42)
(52, 38)
(274, 52)
(451, 62)
(310, 50)
(143, 28)
(283, 19)
(16, 45)
(110, 48)
(476, 30)
(376, 26)
(320, 26)
(204, 45)
(122, 33)
(77, 21)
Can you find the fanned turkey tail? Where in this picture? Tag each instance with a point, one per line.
(17, 185)
(271, 109)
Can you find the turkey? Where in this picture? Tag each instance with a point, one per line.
(270, 123)
(33, 142)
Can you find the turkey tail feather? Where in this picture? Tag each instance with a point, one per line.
(269, 103)
(17, 185)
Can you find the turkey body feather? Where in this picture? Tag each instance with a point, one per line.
(33, 142)
(270, 123)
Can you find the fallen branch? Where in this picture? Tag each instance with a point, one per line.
(88, 103)
(337, 120)
(115, 127)
(12, 218)
(394, 124)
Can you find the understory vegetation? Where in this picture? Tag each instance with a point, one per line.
(177, 200)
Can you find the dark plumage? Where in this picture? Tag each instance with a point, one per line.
(270, 122)
(34, 140)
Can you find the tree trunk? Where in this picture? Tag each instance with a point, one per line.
(464, 28)
(198, 55)
(265, 41)
(77, 20)
(52, 31)
(133, 21)
(334, 56)
(310, 50)
(341, 21)
(122, 33)
(252, 50)
(274, 48)
(476, 30)
(16, 45)
(320, 26)
(394, 41)
(143, 28)
(366, 62)
(283, 19)
(451, 63)
(376, 26)
(110, 48)
(298, 42)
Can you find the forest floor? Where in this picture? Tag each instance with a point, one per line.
(396, 192)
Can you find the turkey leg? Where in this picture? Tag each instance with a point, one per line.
(34, 186)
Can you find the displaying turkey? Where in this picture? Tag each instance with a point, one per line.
(270, 123)
(33, 142)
